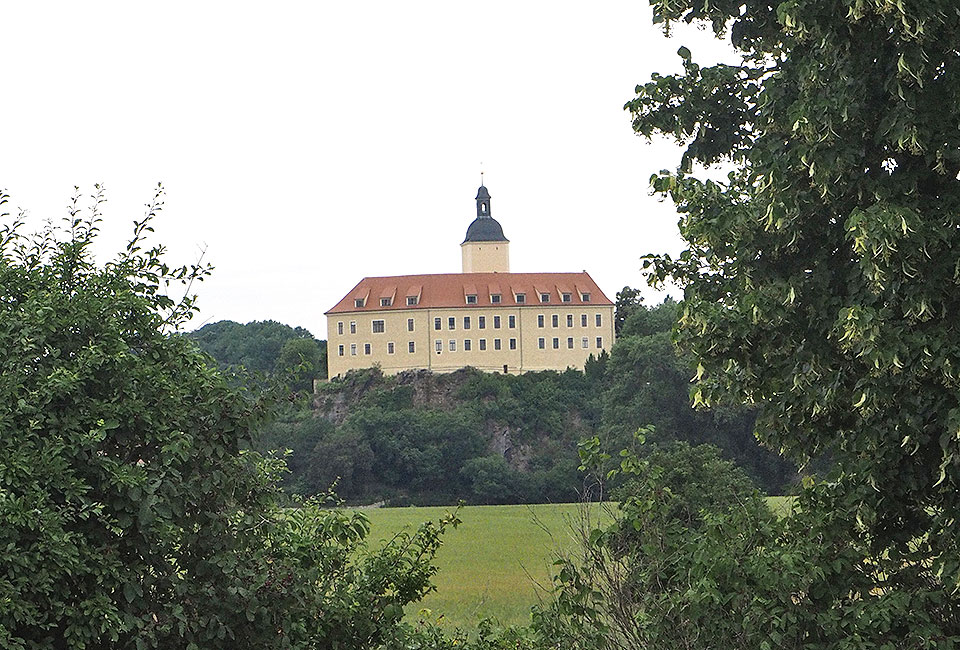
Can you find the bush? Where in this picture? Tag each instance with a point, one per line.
(132, 513)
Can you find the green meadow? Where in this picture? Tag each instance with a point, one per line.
(494, 564)
(497, 563)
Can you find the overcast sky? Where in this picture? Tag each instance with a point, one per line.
(308, 144)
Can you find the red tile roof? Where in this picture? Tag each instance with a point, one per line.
(451, 290)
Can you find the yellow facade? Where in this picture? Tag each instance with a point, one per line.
(494, 339)
(485, 257)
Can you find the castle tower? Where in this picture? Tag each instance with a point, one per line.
(485, 249)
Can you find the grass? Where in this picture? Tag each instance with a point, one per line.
(492, 564)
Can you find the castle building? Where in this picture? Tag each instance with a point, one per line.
(484, 317)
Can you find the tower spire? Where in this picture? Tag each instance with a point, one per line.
(483, 201)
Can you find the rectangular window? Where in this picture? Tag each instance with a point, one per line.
(599, 320)
(521, 298)
(466, 345)
(583, 320)
(378, 327)
(353, 327)
(495, 298)
(452, 323)
(555, 320)
(585, 297)
(411, 347)
(584, 343)
(472, 299)
(482, 322)
(496, 344)
(569, 320)
(409, 324)
(544, 297)
(366, 348)
(340, 350)
(541, 343)
(439, 345)
(512, 321)
(453, 345)
(340, 328)
(466, 322)
(390, 347)
(569, 342)
(386, 302)
(496, 322)
(353, 349)
(599, 341)
(565, 297)
(483, 344)
(539, 320)
(513, 344)
(556, 343)
(358, 302)
(411, 300)
(437, 323)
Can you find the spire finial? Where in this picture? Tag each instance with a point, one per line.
(481, 173)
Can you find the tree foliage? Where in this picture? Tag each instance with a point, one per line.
(820, 279)
(132, 512)
(264, 347)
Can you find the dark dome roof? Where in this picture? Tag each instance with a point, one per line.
(485, 229)
(483, 193)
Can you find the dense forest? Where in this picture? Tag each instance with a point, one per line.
(422, 438)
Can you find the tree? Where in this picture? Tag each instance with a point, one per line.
(627, 302)
(132, 513)
(259, 345)
(820, 277)
(303, 360)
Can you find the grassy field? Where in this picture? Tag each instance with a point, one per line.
(491, 564)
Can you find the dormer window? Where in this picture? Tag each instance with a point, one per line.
(471, 299)
(585, 297)
(544, 297)
(386, 302)
(521, 298)
(495, 298)
(359, 302)
(566, 297)
(411, 300)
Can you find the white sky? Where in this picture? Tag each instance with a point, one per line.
(308, 144)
